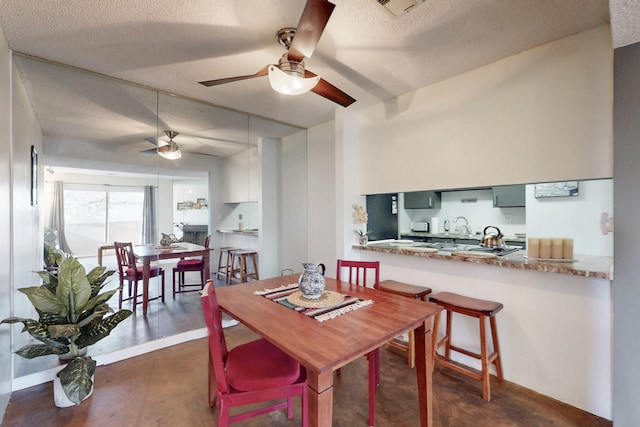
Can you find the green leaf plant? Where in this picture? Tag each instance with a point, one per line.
(73, 315)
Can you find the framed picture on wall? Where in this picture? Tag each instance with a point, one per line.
(556, 189)
(185, 205)
(34, 176)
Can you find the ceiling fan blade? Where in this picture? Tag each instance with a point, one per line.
(329, 91)
(312, 22)
(149, 151)
(152, 140)
(263, 72)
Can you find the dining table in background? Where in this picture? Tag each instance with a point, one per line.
(150, 253)
(323, 347)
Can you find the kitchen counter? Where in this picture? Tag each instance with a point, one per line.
(477, 236)
(243, 232)
(591, 266)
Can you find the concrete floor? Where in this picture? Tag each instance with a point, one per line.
(168, 388)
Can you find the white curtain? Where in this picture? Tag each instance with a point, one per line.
(149, 221)
(56, 215)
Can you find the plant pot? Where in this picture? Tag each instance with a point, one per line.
(60, 398)
(363, 240)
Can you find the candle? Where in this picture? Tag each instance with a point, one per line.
(533, 247)
(567, 248)
(556, 248)
(545, 248)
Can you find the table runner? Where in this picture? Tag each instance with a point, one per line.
(323, 314)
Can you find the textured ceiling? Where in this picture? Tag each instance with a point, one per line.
(365, 50)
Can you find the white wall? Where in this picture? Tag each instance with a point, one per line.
(6, 294)
(321, 171)
(28, 221)
(294, 194)
(577, 217)
(524, 119)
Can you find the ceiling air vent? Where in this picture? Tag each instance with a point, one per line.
(399, 7)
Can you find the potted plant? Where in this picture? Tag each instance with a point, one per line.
(361, 218)
(73, 315)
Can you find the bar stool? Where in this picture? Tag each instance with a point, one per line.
(479, 309)
(224, 269)
(409, 291)
(239, 266)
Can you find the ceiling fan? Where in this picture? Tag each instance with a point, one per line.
(169, 150)
(289, 76)
(173, 151)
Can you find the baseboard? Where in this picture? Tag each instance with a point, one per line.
(106, 359)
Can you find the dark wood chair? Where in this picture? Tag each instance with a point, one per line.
(251, 373)
(364, 273)
(480, 309)
(186, 265)
(129, 271)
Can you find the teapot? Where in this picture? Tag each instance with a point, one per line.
(311, 281)
(167, 239)
(492, 240)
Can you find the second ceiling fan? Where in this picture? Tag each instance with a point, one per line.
(289, 76)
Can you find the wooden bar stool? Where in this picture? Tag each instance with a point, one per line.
(239, 266)
(479, 309)
(224, 269)
(409, 291)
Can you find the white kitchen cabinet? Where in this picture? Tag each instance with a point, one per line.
(241, 177)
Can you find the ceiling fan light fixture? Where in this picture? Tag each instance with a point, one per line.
(291, 82)
(170, 151)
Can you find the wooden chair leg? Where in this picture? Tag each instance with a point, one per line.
(411, 350)
(447, 344)
(484, 358)
(496, 348)
(434, 338)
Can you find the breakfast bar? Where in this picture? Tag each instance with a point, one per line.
(556, 325)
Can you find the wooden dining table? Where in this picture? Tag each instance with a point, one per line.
(150, 253)
(324, 347)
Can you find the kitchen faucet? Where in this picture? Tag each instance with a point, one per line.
(466, 224)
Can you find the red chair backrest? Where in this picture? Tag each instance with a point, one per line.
(126, 258)
(358, 272)
(217, 343)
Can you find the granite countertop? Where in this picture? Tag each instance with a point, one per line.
(243, 232)
(477, 236)
(600, 267)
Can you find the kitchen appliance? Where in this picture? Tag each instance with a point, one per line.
(382, 210)
(420, 226)
(493, 240)
(434, 225)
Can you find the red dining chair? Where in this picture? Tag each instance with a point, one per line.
(189, 264)
(128, 271)
(255, 372)
(355, 272)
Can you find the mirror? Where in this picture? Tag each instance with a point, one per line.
(101, 134)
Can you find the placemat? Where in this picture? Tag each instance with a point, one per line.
(327, 299)
(321, 314)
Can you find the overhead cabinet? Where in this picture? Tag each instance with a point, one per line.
(422, 200)
(509, 196)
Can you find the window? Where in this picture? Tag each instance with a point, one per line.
(94, 215)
